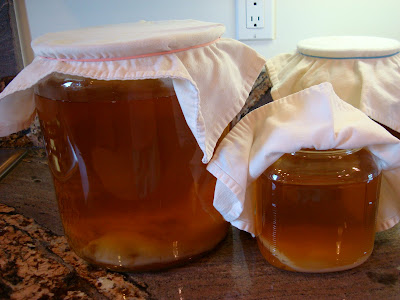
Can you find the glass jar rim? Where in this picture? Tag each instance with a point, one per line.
(313, 151)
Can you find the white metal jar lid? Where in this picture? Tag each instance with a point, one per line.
(348, 47)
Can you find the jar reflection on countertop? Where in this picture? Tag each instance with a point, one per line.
(132, 191)
(318, 210)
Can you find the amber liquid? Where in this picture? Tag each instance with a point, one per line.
(310, 227)
(131, 188)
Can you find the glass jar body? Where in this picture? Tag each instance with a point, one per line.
(317, 210)
(132, 191)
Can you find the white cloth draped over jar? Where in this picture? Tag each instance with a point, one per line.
(364, 71)
(312, 118)
(212, 76)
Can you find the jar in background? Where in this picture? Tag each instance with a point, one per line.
(132, 191)
(318, 210)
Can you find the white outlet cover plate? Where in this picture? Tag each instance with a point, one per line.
(267, 32)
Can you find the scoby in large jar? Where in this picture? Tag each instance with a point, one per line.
(132, 191)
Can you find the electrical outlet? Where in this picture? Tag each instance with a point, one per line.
(255, 14)
(255, 20)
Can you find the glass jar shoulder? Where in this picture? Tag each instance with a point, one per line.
(82, 89)
(297, 168)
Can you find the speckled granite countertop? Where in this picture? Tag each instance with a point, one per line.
(36, 262)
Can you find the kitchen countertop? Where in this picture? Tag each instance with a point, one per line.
(36, 262)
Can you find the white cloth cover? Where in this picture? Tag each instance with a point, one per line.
(212, 76)
(364, 71)
(312, 118)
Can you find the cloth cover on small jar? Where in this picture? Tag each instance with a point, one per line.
(364, 71)
(212, 76)
(312, 118)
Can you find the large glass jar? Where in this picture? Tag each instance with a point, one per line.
(317, 210)
(132, 191)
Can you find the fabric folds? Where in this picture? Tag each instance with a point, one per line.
(211, 78)
(312, 118)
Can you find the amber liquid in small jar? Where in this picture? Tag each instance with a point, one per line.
(317, 210)
(132, 191)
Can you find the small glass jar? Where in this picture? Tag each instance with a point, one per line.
(318, 210)
(132, 191)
